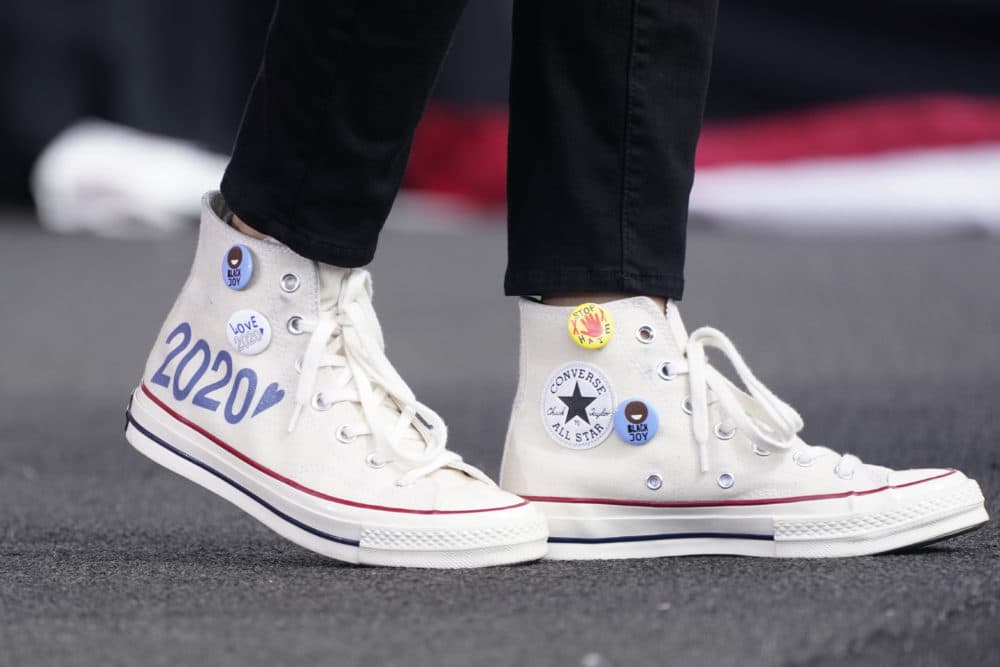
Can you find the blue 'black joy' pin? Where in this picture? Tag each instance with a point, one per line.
(237, 267)
(636, 422)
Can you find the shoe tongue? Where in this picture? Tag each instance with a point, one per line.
(676, 325)
(410, 443)
(331, 279)
(331, 282)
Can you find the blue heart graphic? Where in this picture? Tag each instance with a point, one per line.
(272, 396)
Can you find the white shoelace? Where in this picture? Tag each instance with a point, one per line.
(348, 338)
(768, 421)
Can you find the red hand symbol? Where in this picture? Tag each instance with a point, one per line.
(591, 325)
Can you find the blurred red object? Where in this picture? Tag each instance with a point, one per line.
(461, 152)
(863, 127)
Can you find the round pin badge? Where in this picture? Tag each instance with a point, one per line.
(636, 422)
(237, 267)
(248, 332)
(577, 406)
(591, 326)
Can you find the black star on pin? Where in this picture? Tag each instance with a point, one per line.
(576, 404)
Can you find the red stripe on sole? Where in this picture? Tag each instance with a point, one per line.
(728, 503)
(295, 485)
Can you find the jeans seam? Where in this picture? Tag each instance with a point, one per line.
(627, 143)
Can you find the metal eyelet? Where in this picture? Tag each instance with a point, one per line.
(294, 325)
(836, 471)
(686, 407)
(645, 334)
(726, 480)
(319, 403)
(724, 435)
(654, 482)
(800, 461)
(345, 434)
(373, 461)
(665, 372)
(760, 452)
(289, 283)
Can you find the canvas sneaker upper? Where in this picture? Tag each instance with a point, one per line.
(713, 440)
(634, 445)
(281, 361)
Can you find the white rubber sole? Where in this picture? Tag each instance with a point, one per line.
(858, 525)
(354, 535)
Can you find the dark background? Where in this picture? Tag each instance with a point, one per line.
(183, 68)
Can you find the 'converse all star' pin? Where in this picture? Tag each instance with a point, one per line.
(577, 406)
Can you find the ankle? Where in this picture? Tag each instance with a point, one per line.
(576, 298)
(244, 228)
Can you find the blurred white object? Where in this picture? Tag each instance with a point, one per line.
(949, 190)
(115, 181)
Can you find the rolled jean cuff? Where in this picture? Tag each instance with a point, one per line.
(535, 282)
(279, 227)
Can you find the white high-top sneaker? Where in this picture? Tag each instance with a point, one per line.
(634, 446)
(269, 386)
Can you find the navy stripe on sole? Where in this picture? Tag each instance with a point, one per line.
(239, 487)
(663, 536)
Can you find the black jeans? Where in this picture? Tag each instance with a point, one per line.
(606, 103)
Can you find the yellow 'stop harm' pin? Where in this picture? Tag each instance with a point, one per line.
(591, 326)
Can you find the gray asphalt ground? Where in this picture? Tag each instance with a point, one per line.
(888, 347)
